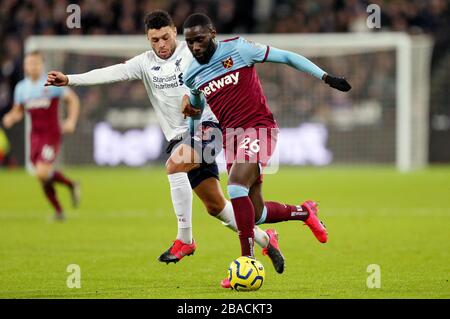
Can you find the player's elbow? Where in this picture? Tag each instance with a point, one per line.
(72, 100)
(17, 115)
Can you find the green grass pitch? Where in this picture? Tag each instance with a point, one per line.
(374, 215)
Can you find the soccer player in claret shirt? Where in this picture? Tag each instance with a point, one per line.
(161, 70)
(224, 76)
(42, 104)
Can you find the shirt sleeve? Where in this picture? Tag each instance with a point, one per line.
(18, 98)
(58, 91)
(134, 67)
(197, 100)
(296, 61)
(189, 81)
(252, 52)
(127, 71)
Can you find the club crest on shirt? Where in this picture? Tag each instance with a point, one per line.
(177, 65)
(228, 63)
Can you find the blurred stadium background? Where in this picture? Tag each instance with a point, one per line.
(375, 214)
(346, 129)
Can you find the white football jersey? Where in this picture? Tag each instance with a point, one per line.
(163, 80)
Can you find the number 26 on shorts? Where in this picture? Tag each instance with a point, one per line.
(248, 144)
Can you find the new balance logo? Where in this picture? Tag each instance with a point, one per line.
(156, 68)
(215, 85)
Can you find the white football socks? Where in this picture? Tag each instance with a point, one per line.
(228, 219)
(181, 192)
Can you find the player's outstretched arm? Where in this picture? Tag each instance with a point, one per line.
(303, 64)
(13, 116)
(130, 70)
(73, 110)
(192, 106)
(188, 109)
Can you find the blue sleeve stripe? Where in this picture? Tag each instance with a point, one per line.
(18, 93)
(236, 191)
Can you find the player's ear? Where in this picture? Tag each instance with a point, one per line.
(213, 32)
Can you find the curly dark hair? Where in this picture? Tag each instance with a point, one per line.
(157, 20)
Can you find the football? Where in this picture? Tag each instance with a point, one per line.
(246, 274)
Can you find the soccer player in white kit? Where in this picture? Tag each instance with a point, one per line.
(161, 70)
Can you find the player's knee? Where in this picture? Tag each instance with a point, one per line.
(42, 175)
(238, 179)
(214, 207)
(172, 167)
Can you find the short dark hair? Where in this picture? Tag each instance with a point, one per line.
(157, 20)
(35, 52)
(198, 19)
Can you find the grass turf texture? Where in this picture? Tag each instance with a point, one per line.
(374, 215)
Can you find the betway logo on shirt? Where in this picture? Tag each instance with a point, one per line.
(215, 85)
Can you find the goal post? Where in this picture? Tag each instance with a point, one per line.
(383, 120)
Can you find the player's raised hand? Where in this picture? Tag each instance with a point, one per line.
(338, 83)
(187, 109)
(56, 78)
